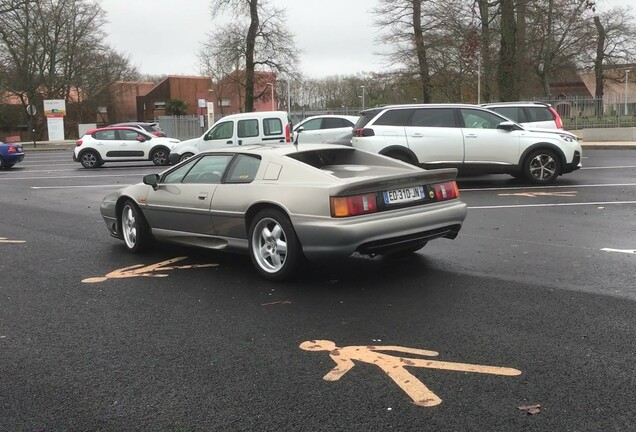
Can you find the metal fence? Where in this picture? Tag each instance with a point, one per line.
(181, 127)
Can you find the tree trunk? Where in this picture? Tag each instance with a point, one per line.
(547, 58)
(508, 90)
(420, 50)
(522, 61)
(598, 65)
(485, 58)
(250, 45)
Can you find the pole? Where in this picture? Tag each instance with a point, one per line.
(478, 78)
(362, 97)
(288, 95)
(626, 80)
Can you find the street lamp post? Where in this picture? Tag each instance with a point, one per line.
(626, 80)
(272, 86)
(362, 87)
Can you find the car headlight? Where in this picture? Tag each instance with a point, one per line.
(568, 138)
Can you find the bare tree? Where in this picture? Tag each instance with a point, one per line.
(258, 39)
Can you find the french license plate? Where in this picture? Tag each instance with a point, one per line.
(398, 196)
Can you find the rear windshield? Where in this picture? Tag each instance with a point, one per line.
(365, 117)
(320, 158)
(541, 113)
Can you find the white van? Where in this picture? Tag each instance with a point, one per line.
(237, 129)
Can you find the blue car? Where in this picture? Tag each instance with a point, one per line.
(10, 154)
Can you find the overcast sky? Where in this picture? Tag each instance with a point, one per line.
(336, 37)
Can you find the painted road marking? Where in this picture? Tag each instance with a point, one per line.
(550, 205)
(139, 270)
(547, 187)
(627, 251)
(538, 194)
(72, 177)
(6, 240)
(83, 186)
(395, 367)
(609, 167)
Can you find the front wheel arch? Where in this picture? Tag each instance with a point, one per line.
(539, 146)
(401, 153)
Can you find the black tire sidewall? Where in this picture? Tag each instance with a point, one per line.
(166, 152)
(97, 158)
(293, 257)
(528, 160)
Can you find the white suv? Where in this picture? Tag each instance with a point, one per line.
(467, 137)
(121, 144)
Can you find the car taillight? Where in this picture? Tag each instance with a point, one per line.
(363, 132)
(353, 205)
(79, 143)
(11, 149)
(157, 134)
(287, 132)
(446, 191)
(557, 118)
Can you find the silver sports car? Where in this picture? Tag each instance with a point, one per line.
(283, 203)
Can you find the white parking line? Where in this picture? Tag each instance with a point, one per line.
(71, 177)
(79, 187)
(551, 205)
(547, 187)
(609, 167)
(627, 251)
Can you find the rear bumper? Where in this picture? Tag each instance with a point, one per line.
(379, 233)
(13, 158)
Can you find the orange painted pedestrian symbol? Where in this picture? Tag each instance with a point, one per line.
(6, 240)
(139, 270)
(395, 367)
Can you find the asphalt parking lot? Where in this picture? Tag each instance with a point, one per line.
(524, 322)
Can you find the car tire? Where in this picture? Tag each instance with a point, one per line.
(134, 228)
(160, 157)
(185, 156)
(274, 247)
(542, 167)
(4, 164)
(90, 159)
(401, 156)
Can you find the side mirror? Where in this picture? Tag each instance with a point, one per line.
(298, 131)
(151, 180)
(507, 126)
(140, 138)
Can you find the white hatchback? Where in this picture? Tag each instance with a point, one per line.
(318, 129)
(121, 144)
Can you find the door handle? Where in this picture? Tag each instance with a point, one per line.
(471, 136)
(417, 134)
(203, 196)
(229, 142)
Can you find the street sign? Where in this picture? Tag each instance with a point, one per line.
(31, 110)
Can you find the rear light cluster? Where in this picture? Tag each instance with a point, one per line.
(363, 132)
(79, 143)
(362, 204)
(12, 149)
(288, 133)
(557, 118)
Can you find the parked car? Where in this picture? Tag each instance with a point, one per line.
(470, 138)
(121, 144)
(341, 140)
(237, 129)
(10, 154)
(321, 128)
(528, 114)
(152, 128)
(284, 202)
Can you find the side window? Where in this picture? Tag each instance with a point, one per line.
(247, 128)
(395, 117)
(128, 135)
(223, 130)
(333, 123)
(312, 124)
(105, 135)
(539, 113)
(513, 113)
(433, 117)
(272, 126)
(177, 175)
(244, 169)
(208, 170)
(476, 119)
